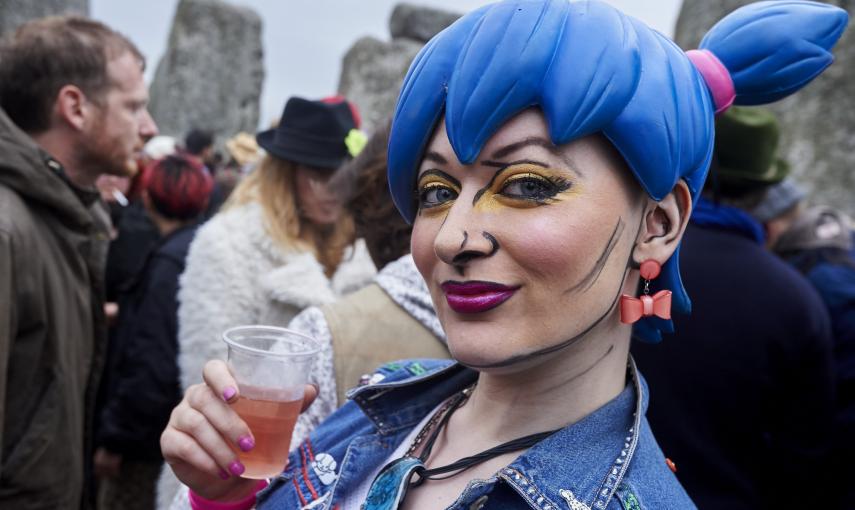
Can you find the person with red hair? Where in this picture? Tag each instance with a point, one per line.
(141, 382)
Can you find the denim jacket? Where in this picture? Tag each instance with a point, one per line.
(609, 460)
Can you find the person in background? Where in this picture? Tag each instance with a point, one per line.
(742, 396)
(142, 386)
(73, 105)
(243, 153)
(280, 244)
(135, 233)
(818, 242)
(199, 143)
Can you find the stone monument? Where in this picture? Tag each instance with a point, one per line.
(211, 74)
(16, 12)
(373, 70)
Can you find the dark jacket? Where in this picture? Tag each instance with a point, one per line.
(53, 247)
(136, 236)
(741, 397)
(142, 384)
(834, 278)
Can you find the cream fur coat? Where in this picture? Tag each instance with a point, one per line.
(235, 275)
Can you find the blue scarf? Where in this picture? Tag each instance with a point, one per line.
(708, 214)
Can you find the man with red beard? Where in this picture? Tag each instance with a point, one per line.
(73, 107)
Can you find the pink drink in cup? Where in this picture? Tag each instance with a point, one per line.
(272, 367)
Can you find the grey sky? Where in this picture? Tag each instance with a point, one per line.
(304, 40)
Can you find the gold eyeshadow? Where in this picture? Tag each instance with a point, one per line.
(551, 182)
(434, 181)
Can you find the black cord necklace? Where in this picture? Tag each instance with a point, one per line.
(465, 463)
(391, 485)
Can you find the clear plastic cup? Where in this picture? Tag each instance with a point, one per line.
(272, 367)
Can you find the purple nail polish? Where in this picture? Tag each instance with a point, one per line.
(246, 443)
(236, 468)
(228, 393)
(223, 474)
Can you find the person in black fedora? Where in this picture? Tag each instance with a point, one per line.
(312, 133)
(279, 244)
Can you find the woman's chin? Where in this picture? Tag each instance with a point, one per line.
(478, 354)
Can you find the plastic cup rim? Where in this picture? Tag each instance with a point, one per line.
(259, 352)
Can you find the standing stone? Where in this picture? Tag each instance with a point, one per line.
(419, 23)
(373, 70)
(211, 74)
(371, 76)
(817, 123)
(16, 12)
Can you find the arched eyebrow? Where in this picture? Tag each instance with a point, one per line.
(435, 157)
(537, 141)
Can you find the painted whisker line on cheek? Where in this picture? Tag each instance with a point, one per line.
(591, 278)
(594, 364)
(562, 345)
(493, 243)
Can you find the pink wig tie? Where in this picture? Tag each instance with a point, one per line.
(717, 78)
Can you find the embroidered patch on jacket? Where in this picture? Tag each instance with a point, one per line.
(416, 368)
(324, 467)
(574, 503)
(630, 502)
(392, 366)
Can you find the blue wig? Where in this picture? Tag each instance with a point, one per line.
(592, 69)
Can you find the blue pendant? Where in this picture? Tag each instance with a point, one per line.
(390, 487)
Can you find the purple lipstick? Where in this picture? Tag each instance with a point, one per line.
(476, 296)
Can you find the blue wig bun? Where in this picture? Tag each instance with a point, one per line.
(592, 69)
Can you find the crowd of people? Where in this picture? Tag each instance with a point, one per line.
(498, 276)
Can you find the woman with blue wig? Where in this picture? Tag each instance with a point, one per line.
(548, 154)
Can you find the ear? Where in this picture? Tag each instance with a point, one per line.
(663, 226)
(72, 107)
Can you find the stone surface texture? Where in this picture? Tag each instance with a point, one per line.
(16, 12)
(420, 23)
(373, 70)
(817, 123)
(211, 74)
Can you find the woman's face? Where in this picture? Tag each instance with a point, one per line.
(527, 249)
(316, 202)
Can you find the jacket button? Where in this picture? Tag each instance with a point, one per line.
(671, 465)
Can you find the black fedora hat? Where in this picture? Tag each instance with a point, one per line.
(312, 133)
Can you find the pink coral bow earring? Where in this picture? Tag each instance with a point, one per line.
(632, 309)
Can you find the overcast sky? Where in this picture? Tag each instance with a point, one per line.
(305, 40)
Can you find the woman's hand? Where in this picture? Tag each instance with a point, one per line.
(196, 441)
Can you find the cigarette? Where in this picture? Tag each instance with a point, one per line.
(120, 197)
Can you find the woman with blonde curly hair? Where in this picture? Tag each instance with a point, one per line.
(280, 243)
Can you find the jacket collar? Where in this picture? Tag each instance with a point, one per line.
(397, 409)
(599, 448)
(39, 178)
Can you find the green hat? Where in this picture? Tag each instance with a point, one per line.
(746, 146)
